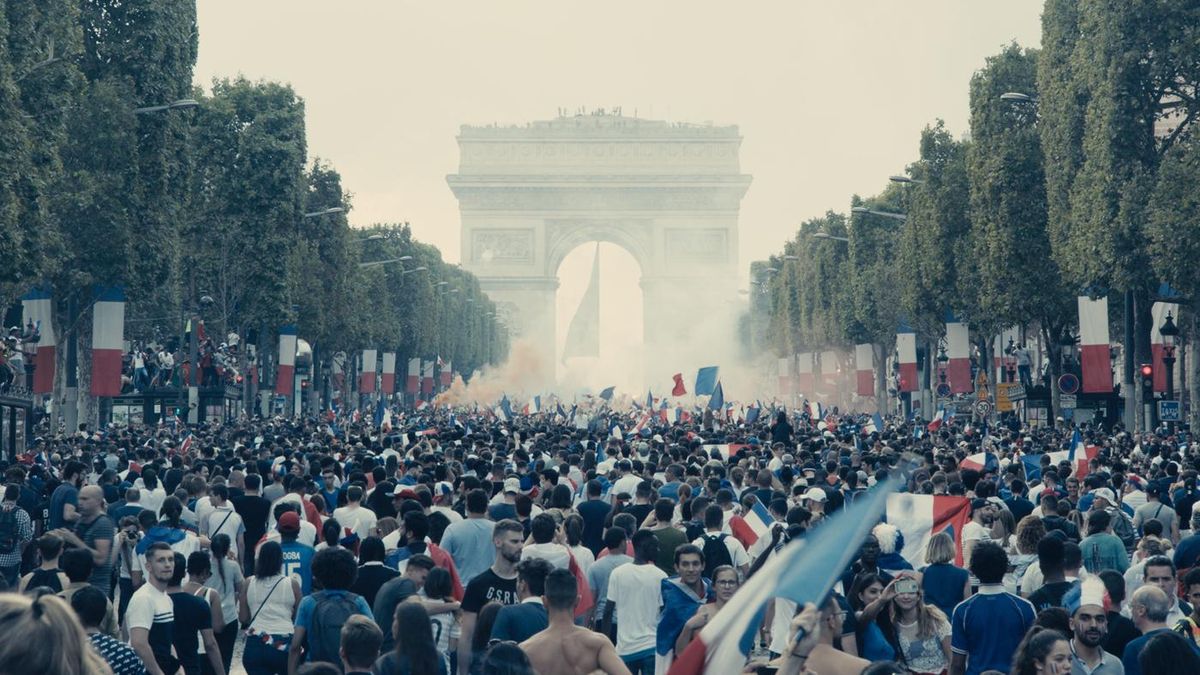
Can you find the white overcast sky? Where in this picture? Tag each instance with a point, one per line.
(830, 96)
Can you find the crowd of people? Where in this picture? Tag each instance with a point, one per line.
(532, 546)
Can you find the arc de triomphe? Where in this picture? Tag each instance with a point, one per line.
(668, 193)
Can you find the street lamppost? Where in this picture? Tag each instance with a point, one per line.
(1170, 336)
(181, 104)
(886, 214)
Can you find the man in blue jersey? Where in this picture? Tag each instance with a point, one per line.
(987, 627)
(297, 557)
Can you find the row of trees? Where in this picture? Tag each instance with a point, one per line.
(1087, 184)
(104, 182)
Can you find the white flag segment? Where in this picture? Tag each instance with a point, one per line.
(1094, 345)
(785, 377)
(285, 372)
(366, 377)
(864, 369)
(387, 381)
(1159, 311)
(958, 350)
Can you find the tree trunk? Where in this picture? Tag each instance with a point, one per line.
(1053, 336)
(882, 404)
(1193, 366)
(1143, 320)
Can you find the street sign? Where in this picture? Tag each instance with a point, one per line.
(1016, 392)
(1170, 411)
(1067, 401)
(1003, 403)
(943, 391)
(983, 408)
(1068, 383)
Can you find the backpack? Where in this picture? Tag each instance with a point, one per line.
(716, 553)
(332, 610)
(8, 530)
(1123, 528)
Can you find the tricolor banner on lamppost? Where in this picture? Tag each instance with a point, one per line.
(38, 308)
(387, 381)
(366, 376)
(785, 378)
(108, 341)
(958, 350)
(804, 374)
(1094, 345)
(864, 369)
(412, 384)
(906, 351)
(285, 371)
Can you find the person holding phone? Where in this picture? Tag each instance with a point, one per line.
(920, 632)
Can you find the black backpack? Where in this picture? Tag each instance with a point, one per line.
(331, 612)
(9, 534)
(716, 553)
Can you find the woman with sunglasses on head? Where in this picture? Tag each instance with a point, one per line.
(725, 584)
(919, 632)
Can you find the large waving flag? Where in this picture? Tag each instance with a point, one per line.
(607, 393)
(750, 527)
(919, 517)
(706, 380)
(753, 412)
(678, 389)
(718, 398)
(803, 571)
(980, 461)
(936, 422)
(873, 425)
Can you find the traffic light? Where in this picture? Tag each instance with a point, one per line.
(1146, 370)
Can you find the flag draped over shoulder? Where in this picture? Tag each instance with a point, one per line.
(803, 571)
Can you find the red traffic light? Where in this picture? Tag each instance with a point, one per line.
(1147, 370)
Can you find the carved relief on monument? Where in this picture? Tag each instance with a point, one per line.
(700, 245)
(502, 246)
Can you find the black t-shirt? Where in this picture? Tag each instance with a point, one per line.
(593, 512)
(487, 587)
(640, 511)
(192, 614)
(1050, 595)
(254, 511)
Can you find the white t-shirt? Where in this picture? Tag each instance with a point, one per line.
(737, 552)
(556, 554)
(450, 513)
(226, 521)
(361, 519)
(637, 591)
(149, 606)
(627, 483)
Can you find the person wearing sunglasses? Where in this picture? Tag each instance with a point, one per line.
(725, 584)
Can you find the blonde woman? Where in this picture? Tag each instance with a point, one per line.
(942, 582)
(919, 632)
(42, 635)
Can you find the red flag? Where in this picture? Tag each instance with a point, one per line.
(679, 390)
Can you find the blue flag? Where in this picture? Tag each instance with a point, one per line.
(379, 408)
(718, 399)
(706, 380)
(649, 399)
(607, 394)
(752, 413)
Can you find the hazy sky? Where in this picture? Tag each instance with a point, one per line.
(830, 96)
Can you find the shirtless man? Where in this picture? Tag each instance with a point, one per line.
(564, 648)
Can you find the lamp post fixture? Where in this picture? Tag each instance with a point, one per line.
(830, 237)
(181, 104)
(325, 212)
(942, 360)
(886, 214)
(1170, 337)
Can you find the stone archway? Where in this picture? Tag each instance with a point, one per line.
(667, 193)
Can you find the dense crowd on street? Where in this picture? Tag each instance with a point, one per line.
(459, 542)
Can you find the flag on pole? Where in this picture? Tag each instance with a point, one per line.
(864, 369)
(1094, 346)
(649, 399)
(427, 368)
(678, 389)
(873, 425)
(285, 371)
(958, 350)
(814, 410)
(185, 447)
(752, 413)
(936, 422)
(366, 376)
(607, 393)
(717, 401)
(980, 461)
(803, 571)
(38, 308)
(387, 381)
(447, 372)
(906, 350)
(412, 384)
(108, 341)
(754, 525)
(706, 380)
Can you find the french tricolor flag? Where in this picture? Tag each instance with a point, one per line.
(814, 410)
(750, 527)
(873, 425)
(1159, 311)
(1094, 346)
(427, 377)
(958, 349)
(980, 461)
(38, 308)
(447, 372)
(285, 372)
(919, 517)
(803, 571)
(413, 382)
(864, 369)
(366, 377)
(804, 374)
(108, 341)
(936, 422)
(906, 350)
(387, 381)
(785, 377)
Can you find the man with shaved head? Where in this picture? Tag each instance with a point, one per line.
(94, 532)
